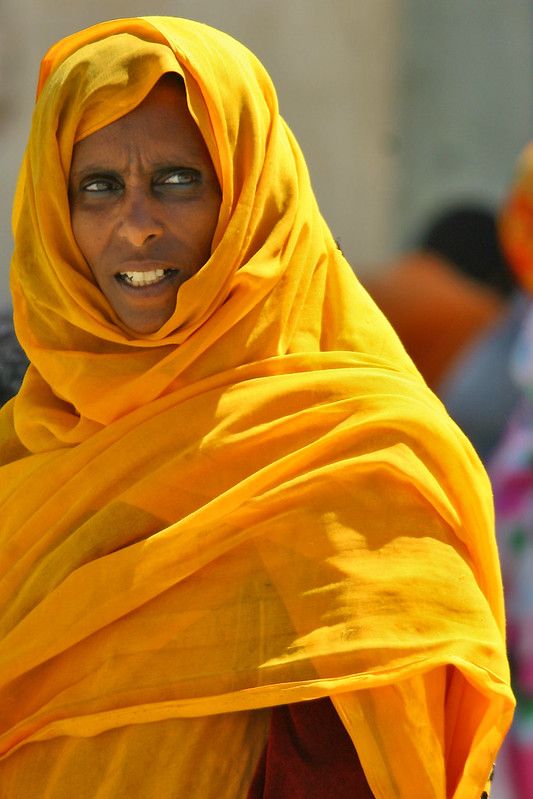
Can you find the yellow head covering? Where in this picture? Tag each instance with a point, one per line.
(267, 290)
(260, 503)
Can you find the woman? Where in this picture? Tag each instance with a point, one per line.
(245, 552)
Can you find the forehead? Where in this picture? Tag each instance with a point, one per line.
(161, 123)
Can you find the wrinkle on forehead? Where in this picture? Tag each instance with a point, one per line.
(139, 141)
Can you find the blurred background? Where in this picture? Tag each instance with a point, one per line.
(401, 106)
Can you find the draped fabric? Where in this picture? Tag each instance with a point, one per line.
(309, 755)
(259, 504)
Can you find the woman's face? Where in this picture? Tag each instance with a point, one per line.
(144, 201)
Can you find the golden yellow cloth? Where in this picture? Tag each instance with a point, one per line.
(259, 504)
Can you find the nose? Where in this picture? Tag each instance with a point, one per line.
(139, 222)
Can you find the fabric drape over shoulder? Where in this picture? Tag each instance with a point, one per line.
(259, 504)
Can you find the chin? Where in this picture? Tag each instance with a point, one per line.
(143, 326)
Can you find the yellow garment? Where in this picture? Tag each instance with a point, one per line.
(259, 504)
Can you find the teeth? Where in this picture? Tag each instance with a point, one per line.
(143, 278)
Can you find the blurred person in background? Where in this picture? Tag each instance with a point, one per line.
(454, 302)
(511, 471)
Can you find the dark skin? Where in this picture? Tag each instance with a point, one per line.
(144, 200)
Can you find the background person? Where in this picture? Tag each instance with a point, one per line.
(455, 304)
(512, 477)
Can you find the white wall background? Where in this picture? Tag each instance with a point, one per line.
(466, 102)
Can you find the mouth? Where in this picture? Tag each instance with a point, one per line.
(140, 280)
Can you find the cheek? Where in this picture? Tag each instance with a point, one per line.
(209, 223)
(204, 239)
(193, 230)
(88, 236)
(80, 229)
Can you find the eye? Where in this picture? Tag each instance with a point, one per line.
(179, 177)
(99, 184)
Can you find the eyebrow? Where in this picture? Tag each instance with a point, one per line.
(170, 163)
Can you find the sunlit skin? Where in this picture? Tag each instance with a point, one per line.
(144, 201)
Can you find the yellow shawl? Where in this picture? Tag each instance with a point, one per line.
(259, 504)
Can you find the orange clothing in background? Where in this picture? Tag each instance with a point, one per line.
(436, 310)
